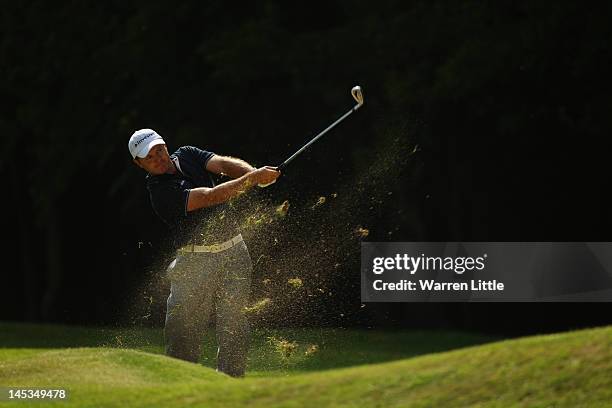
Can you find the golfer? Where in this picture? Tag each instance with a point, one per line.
(212, 269)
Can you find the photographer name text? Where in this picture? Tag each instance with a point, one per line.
(431, 285)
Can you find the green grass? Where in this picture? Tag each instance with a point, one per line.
(383, 369)
(335, 348)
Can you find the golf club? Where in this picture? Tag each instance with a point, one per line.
(358, 96)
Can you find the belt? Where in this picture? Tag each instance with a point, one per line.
(214, 248)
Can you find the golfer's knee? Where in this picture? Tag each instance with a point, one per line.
(233, 325)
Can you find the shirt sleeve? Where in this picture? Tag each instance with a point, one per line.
(169, 201)
(200, 156)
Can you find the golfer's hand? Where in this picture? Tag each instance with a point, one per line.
(264, 176)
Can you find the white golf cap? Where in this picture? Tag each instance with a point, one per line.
(142, 141)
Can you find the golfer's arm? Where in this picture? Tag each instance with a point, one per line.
(203, 197)
(229, 166)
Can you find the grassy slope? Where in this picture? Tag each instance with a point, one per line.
(336, 347)
(570, 369)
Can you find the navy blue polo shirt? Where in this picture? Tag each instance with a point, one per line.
(169, 194)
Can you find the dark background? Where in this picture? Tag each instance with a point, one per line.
(483, 121)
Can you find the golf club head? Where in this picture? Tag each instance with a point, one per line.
(357, 94)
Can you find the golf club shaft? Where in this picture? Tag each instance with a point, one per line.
(314, 139)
